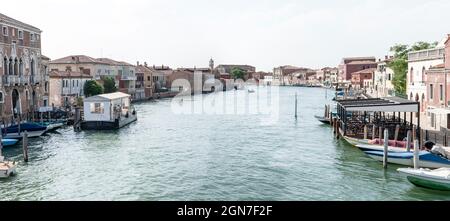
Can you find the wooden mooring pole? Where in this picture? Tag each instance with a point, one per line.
(416, 154)
(25, 146)
(408, 142)
(296, 106)
(381, 135)
(365, 132)
(374, 131)
(397, 131)
(386, 148)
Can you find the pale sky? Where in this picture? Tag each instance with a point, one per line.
(263, 33)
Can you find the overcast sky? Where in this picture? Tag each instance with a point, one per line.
(263, 33)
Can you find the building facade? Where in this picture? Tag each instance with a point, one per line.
(123, 73)
(349, 66)
(419, 62)
(66, 87)
(23, 70)
(383, 78)
(438, 92)
(363, 79)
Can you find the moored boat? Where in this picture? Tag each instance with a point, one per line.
(9, 142)
(369, 147)
(7, 168)
(33, 130)
(438, 179)
(426, 159)
(324, 120)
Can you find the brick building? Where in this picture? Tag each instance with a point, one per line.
(23, 69)
(355, 64)
(362, 79)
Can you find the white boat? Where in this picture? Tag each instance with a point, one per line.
(370, 147)
(438, 179)
(7, 168)
(31, 134)
(356, 141)
(426, 159)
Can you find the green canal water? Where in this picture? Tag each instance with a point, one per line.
(168, 156)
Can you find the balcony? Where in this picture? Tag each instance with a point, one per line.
(128, 77)
(428, 54)
(35, 79)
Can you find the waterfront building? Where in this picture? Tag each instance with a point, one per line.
(144, 81)
(23, 69)
(351, 65)
(419, 62)
(383, 77)
(224, 70)
(329, 75)
(287, 74)
(438, 93)
(363, 79)
(159, 77)
(123, 73)
(66, 87)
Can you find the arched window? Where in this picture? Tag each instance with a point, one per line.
(21, 67)
(16, 66)
(411, 96)
(423, 74)
(1, 97)
(32, 67)
(11, 66)
(5, 66)
(411, 75)
(417, 98)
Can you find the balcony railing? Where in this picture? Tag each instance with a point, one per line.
(428, 54)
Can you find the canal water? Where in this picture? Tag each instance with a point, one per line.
(170, 156)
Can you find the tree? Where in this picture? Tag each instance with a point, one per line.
(400, 63)
(110, 85)
(237, 73)
(92, 88)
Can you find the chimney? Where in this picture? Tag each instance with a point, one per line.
(145, 64)
(137, 63)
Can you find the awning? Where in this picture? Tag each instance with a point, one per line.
(390, 104)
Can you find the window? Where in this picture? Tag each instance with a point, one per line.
(32, 37)
(5, 30)
(97, 108)
(77, 83)
(20, 34)
(441, 92)
(148, 78)
(1, 97)
(431, 92)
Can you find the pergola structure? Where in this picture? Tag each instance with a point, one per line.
(360, 112)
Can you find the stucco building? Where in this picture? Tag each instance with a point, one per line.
(66, 87)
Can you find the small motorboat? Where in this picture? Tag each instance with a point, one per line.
(9, 142)
(7, 168)
(33, 130)
(438, 179)
(426, 159)
(324, 120)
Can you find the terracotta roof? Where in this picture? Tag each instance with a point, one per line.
(12, 21)
(439, 66)
(68, 74)
(142, 69)
(362, 62)
(77, 58)
(366, 71)
(358, 58)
